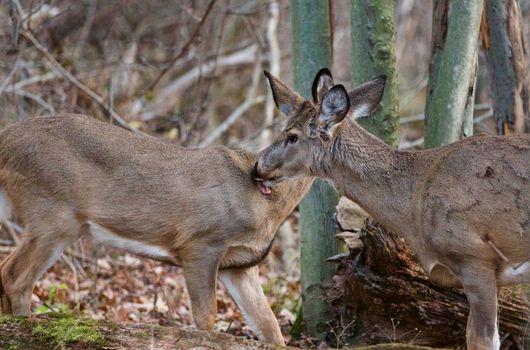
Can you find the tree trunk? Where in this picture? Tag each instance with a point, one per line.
(506, 48)
(453, 71)
(373, 53)
(380, 294)
(312, 50)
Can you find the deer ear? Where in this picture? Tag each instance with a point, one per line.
(365, 98)
(321, 85)
(286, 99)
(333, 110)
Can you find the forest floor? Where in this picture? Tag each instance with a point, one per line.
(57, 331)
(120, 301)
(105, 284)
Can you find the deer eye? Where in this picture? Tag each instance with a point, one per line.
(291, 138)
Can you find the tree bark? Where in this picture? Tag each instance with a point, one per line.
(453, 71)
(373, 53)
(312, 50)
(506, 48)
(384, 296)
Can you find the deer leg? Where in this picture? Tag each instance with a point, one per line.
(23, 268)
(245, 288)
(201, 279)
(481, 291)
(48, 233)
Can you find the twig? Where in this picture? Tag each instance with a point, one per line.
(10, 76)
(14, 23)
(250, 101)
(274, 63)
(33, 80)
(72, 267)
(86, 29)
(230, 120)
(411, 144)
(184, 48)
(37, 99)
(98, 99)
(420, 117)
(243, 56)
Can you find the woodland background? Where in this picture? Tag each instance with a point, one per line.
(188, 72)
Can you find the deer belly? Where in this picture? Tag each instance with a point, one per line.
(106, 237)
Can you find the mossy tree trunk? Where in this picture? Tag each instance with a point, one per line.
(506, 48)
(373, 53)
(453, 71)
(312, 50)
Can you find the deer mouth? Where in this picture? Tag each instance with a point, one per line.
(263, 187)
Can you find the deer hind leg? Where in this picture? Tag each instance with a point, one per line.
(480, 287)
(245, 288)
(42, 244)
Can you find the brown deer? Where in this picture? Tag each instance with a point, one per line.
(67, 175)
(464, 208)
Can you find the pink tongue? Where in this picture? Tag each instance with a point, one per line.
(264, 189)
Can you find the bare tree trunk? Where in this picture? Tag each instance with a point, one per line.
(312, 45)
(453, 71)
(506, 48)
(374, 53)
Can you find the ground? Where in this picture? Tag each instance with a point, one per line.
(55, 331)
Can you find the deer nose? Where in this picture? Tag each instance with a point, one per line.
(255, 173)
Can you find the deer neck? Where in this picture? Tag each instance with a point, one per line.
(374, 175)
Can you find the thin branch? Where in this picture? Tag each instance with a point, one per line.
(231, 119)
(420, 117)
(10, 76)
(250, 101)
(98, 99)
(274, 63)
(35, 98)
(241, 57)
(14, 23)
(184, 48)
(33, 80)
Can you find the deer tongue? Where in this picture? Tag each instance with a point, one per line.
(264, 189)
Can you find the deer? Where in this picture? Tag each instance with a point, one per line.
(68, 176)
(463, 208)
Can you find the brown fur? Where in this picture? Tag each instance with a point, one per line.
(65, 171)
(464, 208)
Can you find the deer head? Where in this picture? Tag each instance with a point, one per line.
(305, 143)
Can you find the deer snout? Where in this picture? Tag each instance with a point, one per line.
(263, 170)
(255, 172)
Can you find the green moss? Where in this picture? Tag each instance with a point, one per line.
(68, 330)
(18, 320)
(143, 334)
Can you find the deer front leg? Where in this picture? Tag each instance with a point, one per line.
(481, 291)
(245, 288)
(201, 279)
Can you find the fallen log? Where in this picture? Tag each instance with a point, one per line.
(380, 294)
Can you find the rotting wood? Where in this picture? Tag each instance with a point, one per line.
(384, 290)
